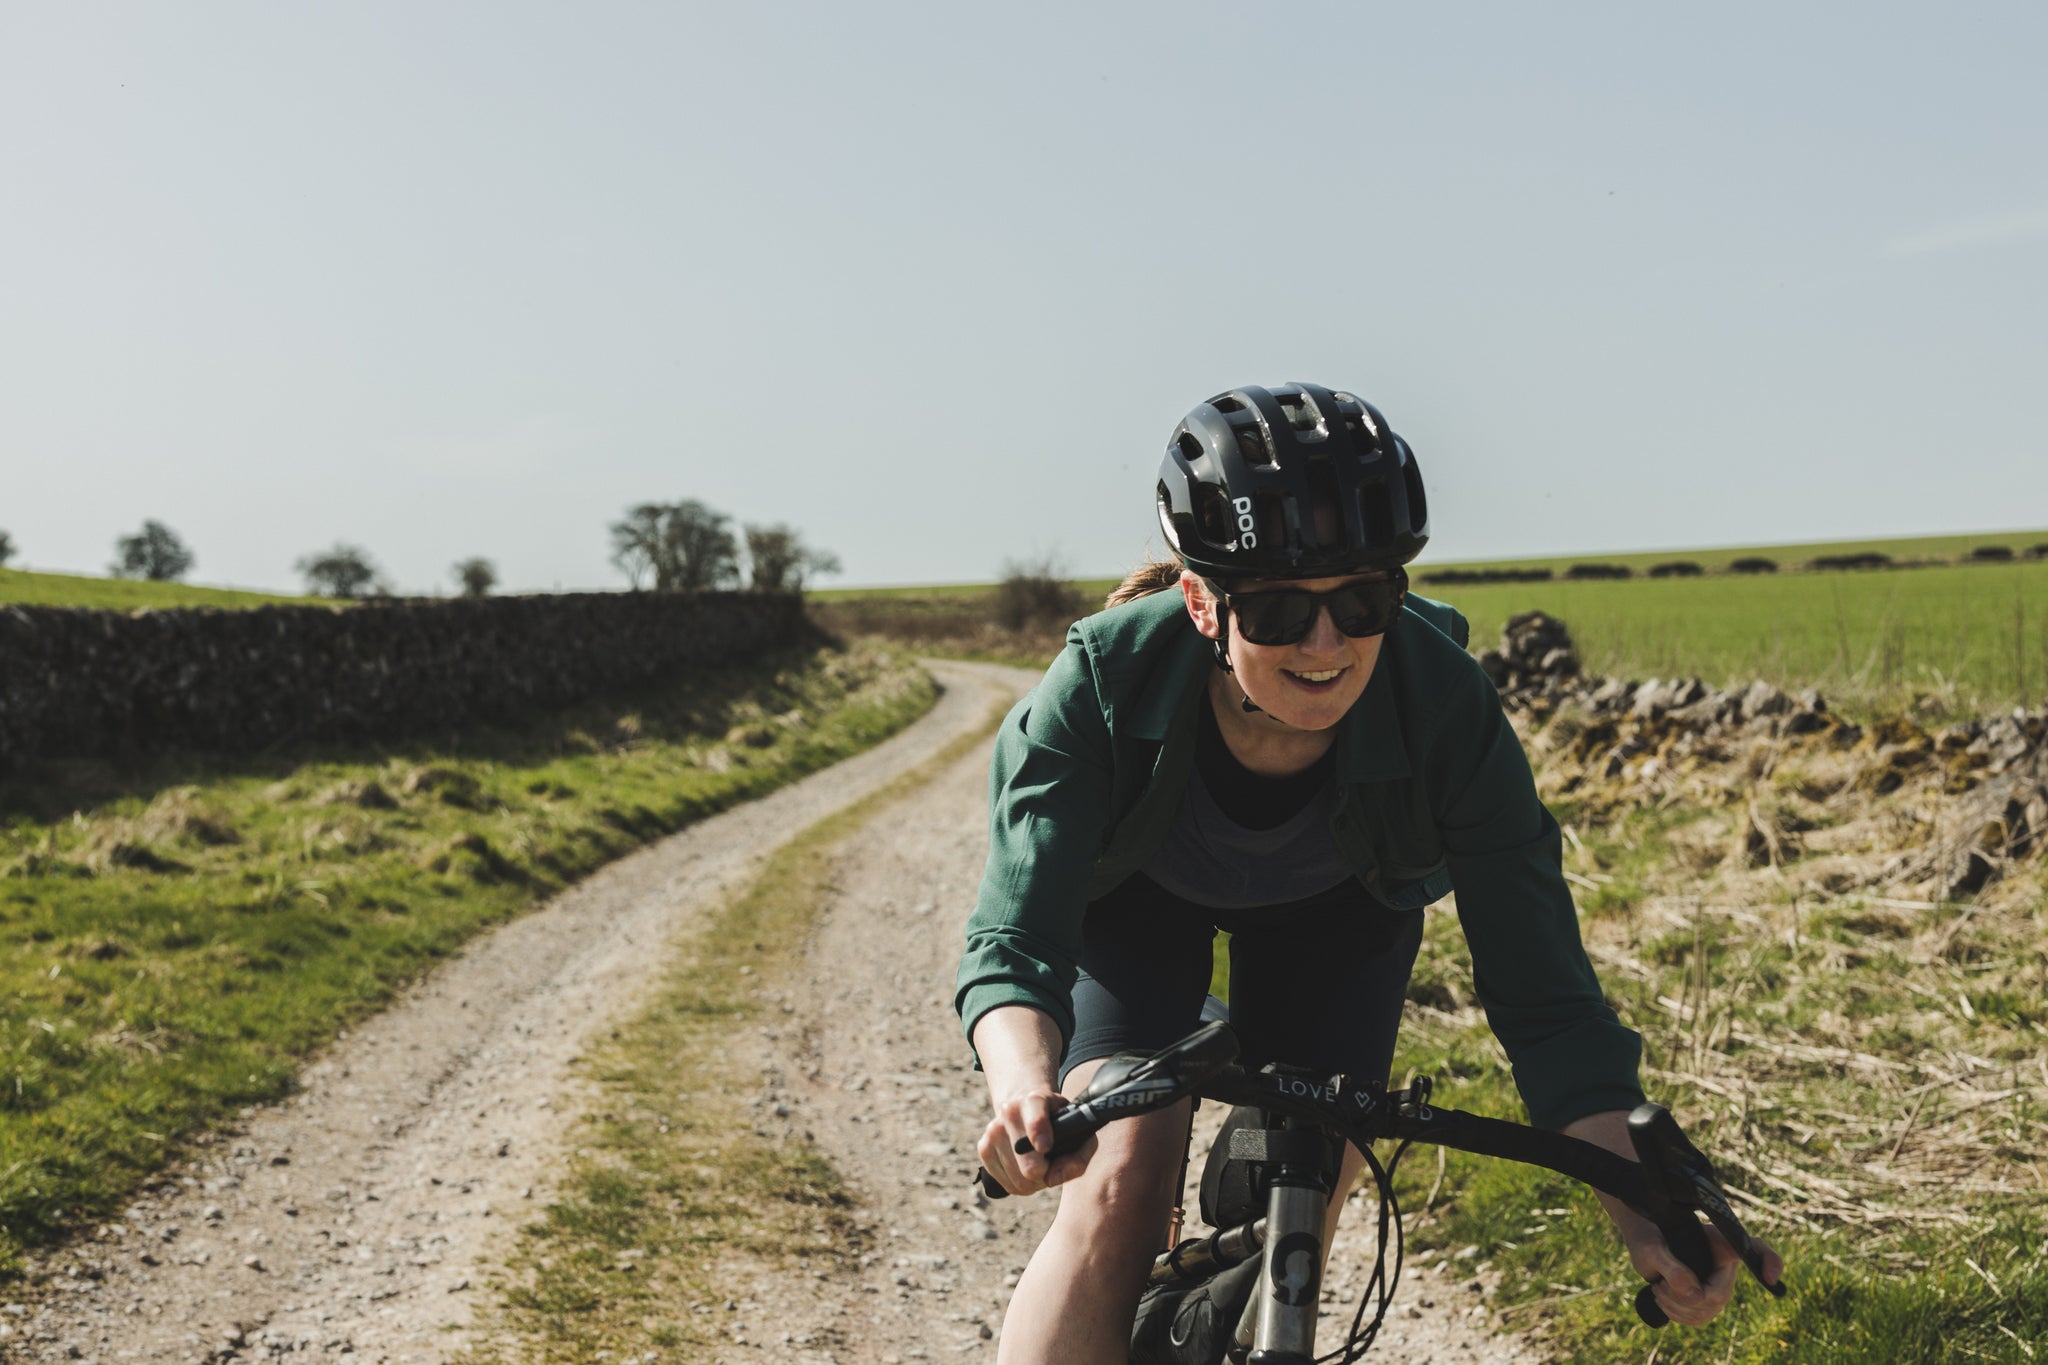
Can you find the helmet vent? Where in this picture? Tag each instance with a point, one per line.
(1301, 413)
(1190, 448)
(1418, 510)
(1251, 440)
(1212, 516)
(1226, 403)
(1379, 515)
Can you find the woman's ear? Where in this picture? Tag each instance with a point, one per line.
(1201, 606)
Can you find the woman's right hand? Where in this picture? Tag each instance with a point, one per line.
(1028, 1114)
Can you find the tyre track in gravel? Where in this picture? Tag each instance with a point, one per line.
(871, 1065)
(361, 1217)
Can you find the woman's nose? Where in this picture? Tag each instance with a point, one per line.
(1323, 636)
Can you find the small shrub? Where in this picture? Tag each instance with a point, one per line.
(1870, 559)
(1583, 571)
(476, 576)
(1753, 564)
(340, 571)
(2037, 551)
(1678, 568)
(1035, 594)
(1486, 576)
(1991, 554)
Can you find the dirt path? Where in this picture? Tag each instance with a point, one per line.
(360, 1218)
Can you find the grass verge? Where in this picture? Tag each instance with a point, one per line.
(1866, 1073)
(127, 594)
(674, 1176)
(180, 936)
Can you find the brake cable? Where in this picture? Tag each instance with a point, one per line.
(1379, 1286)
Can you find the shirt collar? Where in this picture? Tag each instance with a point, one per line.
(1159, 708)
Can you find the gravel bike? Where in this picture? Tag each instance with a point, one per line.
(1248, 1293)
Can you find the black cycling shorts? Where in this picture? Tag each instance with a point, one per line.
(1316, 982)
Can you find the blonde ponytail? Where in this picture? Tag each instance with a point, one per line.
(1154, 575)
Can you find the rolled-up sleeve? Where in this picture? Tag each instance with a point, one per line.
(1571, 1055)
(1049, 805)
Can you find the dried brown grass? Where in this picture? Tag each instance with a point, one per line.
(1865, 1051)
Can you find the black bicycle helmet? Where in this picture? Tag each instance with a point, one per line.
(1246, 471)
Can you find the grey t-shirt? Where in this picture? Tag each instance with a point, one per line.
(1209, 859)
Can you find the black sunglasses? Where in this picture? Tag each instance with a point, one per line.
(1284, 616)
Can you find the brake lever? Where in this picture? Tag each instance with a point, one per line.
(1713, 1201)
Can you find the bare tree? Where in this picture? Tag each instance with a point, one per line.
(684, 546)
(703, 550)
(636, 543)
(6, 547)
(476, 576)
(779, 561)
(340, 571)
(154, 552)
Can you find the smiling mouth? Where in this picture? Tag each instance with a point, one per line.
(1319, 677)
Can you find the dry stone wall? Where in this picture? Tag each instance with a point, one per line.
(1981, 785)
(77, 682)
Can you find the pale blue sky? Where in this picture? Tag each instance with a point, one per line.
(934, 282)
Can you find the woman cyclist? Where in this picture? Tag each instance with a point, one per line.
(1271, 737)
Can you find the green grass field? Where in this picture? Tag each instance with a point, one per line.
(1909, 549)
(121, 594)
(1967, 637)
(1955, 637)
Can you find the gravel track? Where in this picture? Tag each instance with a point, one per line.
(363, 1217)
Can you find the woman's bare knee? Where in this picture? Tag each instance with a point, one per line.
(1120, 1203)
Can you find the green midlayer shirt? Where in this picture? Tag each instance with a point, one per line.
(1434, 795)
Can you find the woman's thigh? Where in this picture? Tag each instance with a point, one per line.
(1320, 983)
(1145, 966)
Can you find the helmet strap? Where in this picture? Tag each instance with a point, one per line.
(1220, 641)
(1221, 644)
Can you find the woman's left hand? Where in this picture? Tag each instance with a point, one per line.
(1679, 1292)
